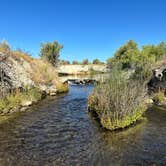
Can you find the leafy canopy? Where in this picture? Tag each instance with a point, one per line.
(97, 61)
(130, 56)
(50, 52)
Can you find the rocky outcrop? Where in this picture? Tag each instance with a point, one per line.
(25, 81)
(158, 81)
(49, 90)
(17, 72)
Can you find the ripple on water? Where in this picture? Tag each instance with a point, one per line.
(60, 131)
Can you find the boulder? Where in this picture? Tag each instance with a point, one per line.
(26, 103)
(158, 81)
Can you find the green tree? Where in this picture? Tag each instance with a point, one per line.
(75, 62)
(128, 54)
(96, 61)
(4, 44)
(154, 53)
(50, 52)
(65, 62)
(85, 62)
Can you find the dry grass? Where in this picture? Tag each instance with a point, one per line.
(160, 63)
(119, 102)
(41, 72)
(18, 54)
(16, 98)
(62, 87)
(159, 98)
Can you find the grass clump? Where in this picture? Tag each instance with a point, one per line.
(159, 98)
(118, 102)
(61, 88)
(16, 99)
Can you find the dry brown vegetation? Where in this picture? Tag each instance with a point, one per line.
(40, 71)
(118, 102)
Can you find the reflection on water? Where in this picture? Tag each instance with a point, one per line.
(60, 131)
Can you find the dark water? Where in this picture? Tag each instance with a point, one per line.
(61, 132)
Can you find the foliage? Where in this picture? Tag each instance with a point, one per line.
(50, 52)
(40, 71)
(131, 57)
(118, 102)
(65, 62)
(128, 54)
(97, 62)
(159, 97)
(16, 98)
(75, 62)
(85, 62)
(17, 55)
(143, 72)
(61, 88)
(5, 46)
(43, 73)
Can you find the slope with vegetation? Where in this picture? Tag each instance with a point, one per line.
(24, 80)
(120, 101)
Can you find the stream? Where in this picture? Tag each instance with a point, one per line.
(59, 131)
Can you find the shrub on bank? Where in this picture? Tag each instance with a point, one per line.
(159, 98)
(118, 102)
(61, 88)
(17, 98)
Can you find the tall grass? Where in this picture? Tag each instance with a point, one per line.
(15, 99)
(118, 102)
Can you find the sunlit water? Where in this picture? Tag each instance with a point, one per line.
(60, 131)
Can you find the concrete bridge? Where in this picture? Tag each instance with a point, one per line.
(82, 69)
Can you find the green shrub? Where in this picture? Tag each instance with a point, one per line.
(50, 52)
(159, 97)
(61, 88)
(119, 102)
(15, 99)
(130, 56)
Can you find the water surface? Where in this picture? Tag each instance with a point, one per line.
(60, 131)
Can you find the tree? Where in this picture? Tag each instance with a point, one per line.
(65, 62)
(75, 62)
(85, 62)
(154, 53)
(96, 61)
(5, 45)
(127, 55)
(111, 62)
(130, 56)
(50, 52)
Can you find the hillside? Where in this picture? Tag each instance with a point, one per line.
(20, 73)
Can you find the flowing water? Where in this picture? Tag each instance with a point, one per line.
(60, 131)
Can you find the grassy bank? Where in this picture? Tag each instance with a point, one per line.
(16, 100)
(33, 76)
(118, 102)
(19, 99)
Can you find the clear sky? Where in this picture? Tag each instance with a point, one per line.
(87, 28)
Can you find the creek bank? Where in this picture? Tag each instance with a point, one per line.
(118, 102)
(157, 84)
(25, 81)
(114, 102)
(21, 101)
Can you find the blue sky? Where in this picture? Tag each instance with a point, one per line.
(87, 28)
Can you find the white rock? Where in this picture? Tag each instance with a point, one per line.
(26, 103)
